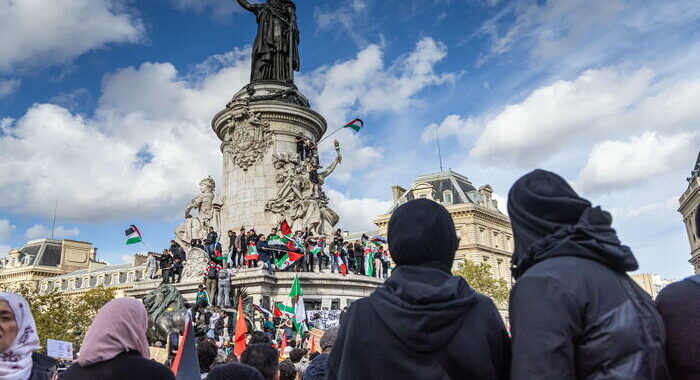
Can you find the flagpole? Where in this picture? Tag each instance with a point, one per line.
(329, 135)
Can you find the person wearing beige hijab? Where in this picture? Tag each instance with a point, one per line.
(115, 346)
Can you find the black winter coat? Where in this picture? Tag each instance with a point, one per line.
(679, 305)
(423, 324)
(43, 367)
(574, 312)
(127, 365)
(317, 368)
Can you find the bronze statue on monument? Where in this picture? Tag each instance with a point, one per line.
(276, 47)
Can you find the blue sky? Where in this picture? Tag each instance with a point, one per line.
(105, 107)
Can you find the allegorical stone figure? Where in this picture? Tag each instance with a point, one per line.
(276, 48)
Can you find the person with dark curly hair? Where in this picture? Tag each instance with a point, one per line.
(287, 371)
(262, 357)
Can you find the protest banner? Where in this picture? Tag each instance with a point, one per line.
(59, 349)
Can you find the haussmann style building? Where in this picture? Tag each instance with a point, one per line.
(688, 205)
(486, 235)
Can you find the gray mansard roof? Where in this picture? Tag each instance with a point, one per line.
(696, 170)
(46, 252)
(442, 185)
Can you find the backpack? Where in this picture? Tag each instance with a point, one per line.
(223, 274)
(211, 273)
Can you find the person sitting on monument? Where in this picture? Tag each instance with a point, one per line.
(429, 323)
(210, 240)
(264, 253)
(166, 265)
(177, 251)
(115, 346)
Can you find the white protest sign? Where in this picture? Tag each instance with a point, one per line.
(59, 349)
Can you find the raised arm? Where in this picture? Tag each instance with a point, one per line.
(251, 7)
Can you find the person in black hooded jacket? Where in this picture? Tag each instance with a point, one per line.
(679, 305)
(574, 312)
(423, 323)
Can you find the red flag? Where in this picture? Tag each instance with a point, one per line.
(341, 263)
(284, 227)
(186, 363)
(284, 345)
(241, 329)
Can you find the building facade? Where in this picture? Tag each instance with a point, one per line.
(485, 233)
(688, 205)
(41, 259)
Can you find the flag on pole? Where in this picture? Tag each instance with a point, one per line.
(252, 253)
(281, 309)
(289, 241)
(133, 235)
(288, 259)
(186, 362)
(369, 262)
(298, 302)
(241, 329)
(355, 125)
(263, 311)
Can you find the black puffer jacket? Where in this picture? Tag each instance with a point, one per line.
(574, 312)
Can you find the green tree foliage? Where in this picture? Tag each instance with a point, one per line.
(64, 317)
(480, 278)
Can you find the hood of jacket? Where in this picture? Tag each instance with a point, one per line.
(549, 220)
(423, 307)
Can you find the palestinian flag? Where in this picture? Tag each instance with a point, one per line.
(289, 241)
(252, 253)
(262, 311)
(369, 262)
(316, 250)
(355, 125)
(276, 240)
(379, 240)
(133, 235)
(288, 259)
(280, 310)
(186, 363)
(298, 302)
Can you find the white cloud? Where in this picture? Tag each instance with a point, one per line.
(551, 116)
(619, 164)
(365, 84)
(452, 125)
(126, 259)
(41, 231)
(8, 86)
(6, 230)
(356, 214)
(96, 167)
(46, 32)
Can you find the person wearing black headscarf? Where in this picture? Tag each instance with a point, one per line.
(234, 371)
(423, 323)
(574, 312)
(679, 305)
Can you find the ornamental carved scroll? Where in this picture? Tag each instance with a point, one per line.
(247, 139)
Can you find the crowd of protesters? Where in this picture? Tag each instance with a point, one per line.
(574, 313)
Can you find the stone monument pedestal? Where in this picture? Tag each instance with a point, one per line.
(261, 122)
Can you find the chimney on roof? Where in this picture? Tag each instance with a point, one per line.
(487, 194)
(398, 192)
